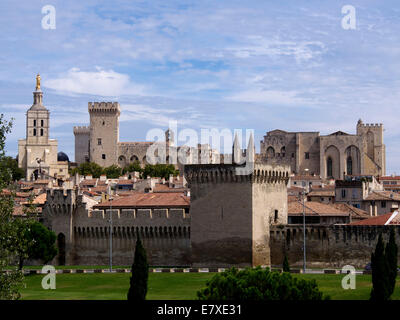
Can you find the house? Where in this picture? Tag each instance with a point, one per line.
(316, 213)
(323, 194)
(391, 218)
(390, 183)
(380, 202)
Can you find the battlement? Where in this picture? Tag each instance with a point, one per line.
(360, 124)
(81, 130)
(226, 173)
(372, 125)
(109, 107)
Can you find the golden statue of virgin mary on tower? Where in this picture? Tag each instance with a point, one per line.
(38, 82)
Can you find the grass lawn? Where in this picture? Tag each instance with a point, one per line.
(171, 286)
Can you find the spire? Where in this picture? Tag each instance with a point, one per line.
(251, 152)
(236, 152)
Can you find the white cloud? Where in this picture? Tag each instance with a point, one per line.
(100, 82)
(271, 97)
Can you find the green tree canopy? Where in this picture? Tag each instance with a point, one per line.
(258, 284)
(11, 164)
(140, 274)
(159, 170)
(380, 281)
(112, 172)
(88, 168)
(132, 167)
(11, 282)
(391, 260)
(285, 264)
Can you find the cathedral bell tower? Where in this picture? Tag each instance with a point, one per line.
(37, 119)
(37, 154)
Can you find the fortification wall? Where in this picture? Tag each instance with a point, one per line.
(327, 246)
(165, 234)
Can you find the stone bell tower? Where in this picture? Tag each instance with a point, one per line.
(37, 154)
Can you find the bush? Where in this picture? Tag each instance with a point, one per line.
(258, 284)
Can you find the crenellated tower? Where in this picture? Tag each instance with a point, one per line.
(374, 154)
(104, 132)
(232, 207)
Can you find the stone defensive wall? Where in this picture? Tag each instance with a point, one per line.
(327, 246)
(165, 233)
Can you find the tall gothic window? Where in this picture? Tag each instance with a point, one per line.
(349, 166)
(270, 152)
(329, 167)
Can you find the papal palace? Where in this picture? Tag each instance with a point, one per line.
(248, 211)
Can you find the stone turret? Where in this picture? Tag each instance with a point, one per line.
(232, 207)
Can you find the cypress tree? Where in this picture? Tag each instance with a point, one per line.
(391, 260)
(285, 264)
(140, 274)
(380, 283)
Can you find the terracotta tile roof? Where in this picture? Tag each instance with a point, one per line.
(124, 181)
(312, 208)
(99, 189)
(381, 220)
(91, 182)
(383, 195)
(43, 181)
(305, 177)
(293, 198)
(322, 193)
(149, 200)
(389, 178)
(18, 211)
(40, 199)
(356, 213)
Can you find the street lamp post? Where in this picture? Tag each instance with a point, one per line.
(304, 227)
(111, 226)
(304, 234)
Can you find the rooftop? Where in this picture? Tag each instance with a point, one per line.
(382, 220)
(148, 200)
(295, 208)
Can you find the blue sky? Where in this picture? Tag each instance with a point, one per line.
(258, 65)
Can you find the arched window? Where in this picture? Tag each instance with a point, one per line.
(283, 151)
(270, 152)
(349, 166)
(329, 167)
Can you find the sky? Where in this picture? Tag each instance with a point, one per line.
(259, 65)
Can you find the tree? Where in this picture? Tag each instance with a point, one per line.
(391, 260)
(380, 281)
(258, 284)
(12, 165)
(10, 282)
(159, 170)
(285, 264)
(112, 172)
(132, 167)
(140, 274)
(40, 243)
(88, 168)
